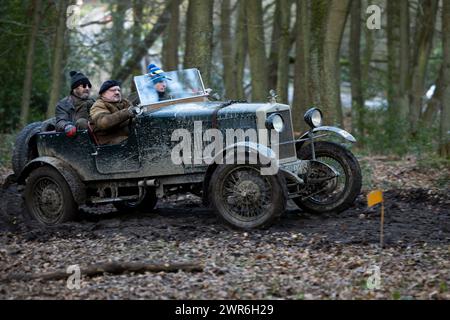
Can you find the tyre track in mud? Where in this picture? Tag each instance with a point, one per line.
(412, 216)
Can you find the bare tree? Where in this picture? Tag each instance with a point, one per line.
(426, 21)
(274, 45)
(241, 49)
(257, 50)
(444, 143)
(355, 70)
(199, 36)
(118, 12)
(141, 48)
(171, 38)
(27, 83)
(227, 49)
(283, 50)
(302, 62)
(336, 18)
(58, 54)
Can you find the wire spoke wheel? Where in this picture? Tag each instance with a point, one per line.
(48, 197)
(244, 198)
(334, 188)
(47, 200)
(246, 193)
(336, 194)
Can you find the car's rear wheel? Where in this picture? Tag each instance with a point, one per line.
(244, 198)
(24, 151)
(147, 204)
(48, 197)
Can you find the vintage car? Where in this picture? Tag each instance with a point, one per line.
(246, 180)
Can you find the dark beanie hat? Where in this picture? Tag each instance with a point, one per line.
(109, 84)
(77, 79)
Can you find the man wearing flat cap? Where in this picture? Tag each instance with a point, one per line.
(111, 115)
(72, 112)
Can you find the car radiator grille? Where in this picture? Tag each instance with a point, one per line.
(286, 138)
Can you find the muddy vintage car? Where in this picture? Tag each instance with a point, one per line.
(60, 173)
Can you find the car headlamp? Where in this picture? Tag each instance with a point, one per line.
(314, 118)
(275, 122)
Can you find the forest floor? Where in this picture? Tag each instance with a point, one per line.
(303, 256)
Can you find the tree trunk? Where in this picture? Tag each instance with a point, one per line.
(58, 54)
(241, 50)
(301, 79)
(426, 23)
(27, 83)
(199, 37)
(227, 49)
(118, 46)
(257, 52)
(355, 71)
(140, 51)
(444, 141)
(137, 7)
(403, 101)
(171, 39)
(330, 68)
(393, 35)
(368, 53)
(317, 22)
(275, 45)
(283, 51)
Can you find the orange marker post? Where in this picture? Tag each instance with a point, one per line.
(374, 198)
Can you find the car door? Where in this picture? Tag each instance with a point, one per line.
(119, 158)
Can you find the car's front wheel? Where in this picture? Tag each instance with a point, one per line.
(244, 198)
(338, 194)
(48, 197)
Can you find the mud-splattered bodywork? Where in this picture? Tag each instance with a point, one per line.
(147, 152)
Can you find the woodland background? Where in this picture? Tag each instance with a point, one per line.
(389, 86)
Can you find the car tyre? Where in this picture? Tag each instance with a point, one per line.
(349, 169)
(245, 199)
(24, 151)
(48, 198)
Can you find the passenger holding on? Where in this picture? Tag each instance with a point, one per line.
(159, 80)
(72, 112)
(111, 115)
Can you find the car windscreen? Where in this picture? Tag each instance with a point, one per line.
(174, 85)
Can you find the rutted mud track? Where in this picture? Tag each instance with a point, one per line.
(302, 256)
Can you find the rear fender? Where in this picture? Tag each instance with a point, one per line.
(70, 175)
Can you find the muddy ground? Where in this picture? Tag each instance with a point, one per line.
(303, 256)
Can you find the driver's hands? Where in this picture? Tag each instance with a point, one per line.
(70, 131)
(134, 111)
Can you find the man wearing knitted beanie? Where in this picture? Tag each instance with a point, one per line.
(159, 80)
(72, 112)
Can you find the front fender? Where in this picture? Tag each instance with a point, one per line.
(256, 151)
(340, 132)
(243, 150)
(70, 175)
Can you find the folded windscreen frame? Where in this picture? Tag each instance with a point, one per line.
(178, 85)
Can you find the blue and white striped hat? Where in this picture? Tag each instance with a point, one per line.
(156, 74)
